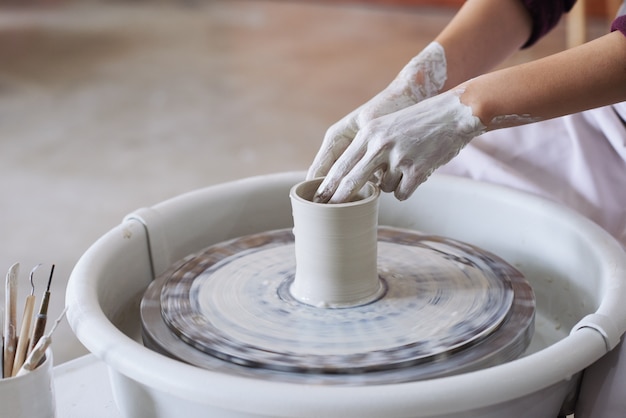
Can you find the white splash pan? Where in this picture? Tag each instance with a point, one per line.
(577, 270)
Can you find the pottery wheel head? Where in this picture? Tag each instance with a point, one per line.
(446, 307)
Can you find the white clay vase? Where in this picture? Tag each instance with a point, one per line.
(335, 248)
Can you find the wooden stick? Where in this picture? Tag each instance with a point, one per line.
(22, 341)
(10, 319)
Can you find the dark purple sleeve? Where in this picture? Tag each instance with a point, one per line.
(619, 24)
(545, 15)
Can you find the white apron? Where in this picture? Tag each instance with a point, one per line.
(580, 161)
(577, 160)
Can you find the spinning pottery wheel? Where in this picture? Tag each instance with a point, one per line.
(436, 307)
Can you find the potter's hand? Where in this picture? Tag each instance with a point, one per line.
(402, 148)
(421, 78)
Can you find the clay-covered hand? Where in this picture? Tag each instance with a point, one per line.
(403, 148)
(421, 78)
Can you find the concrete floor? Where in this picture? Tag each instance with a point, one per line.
(106, 108)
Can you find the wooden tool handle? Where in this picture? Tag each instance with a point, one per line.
(22, 341)
(40, 322)
(10, 319)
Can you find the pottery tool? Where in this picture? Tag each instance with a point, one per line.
(40, 321)
(38, 353)
(27, 319)
(10, 319)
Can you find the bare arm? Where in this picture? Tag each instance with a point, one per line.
(481, 35)
(581, 78)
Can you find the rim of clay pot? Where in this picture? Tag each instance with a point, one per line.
(304, 191)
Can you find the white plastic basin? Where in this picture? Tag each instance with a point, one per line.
(576, 269)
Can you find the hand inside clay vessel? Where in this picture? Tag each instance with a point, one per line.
(421, 78)
(404, 147)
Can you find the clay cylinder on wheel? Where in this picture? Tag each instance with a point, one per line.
(335, 248)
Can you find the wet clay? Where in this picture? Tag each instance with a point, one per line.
(335, 248)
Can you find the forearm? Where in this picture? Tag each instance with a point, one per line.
(481, 35)
(581, 78)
